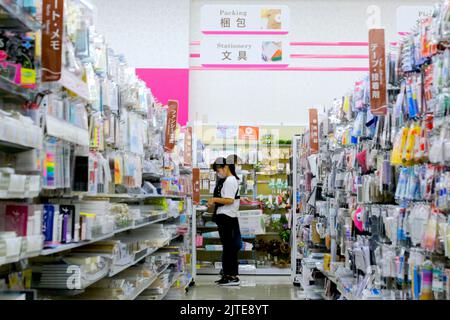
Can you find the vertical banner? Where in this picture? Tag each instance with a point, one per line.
(377, 65)
(52, 39)
(248, 133)
(314, 131)
(188, 147)
(171, 125)
(196, 185)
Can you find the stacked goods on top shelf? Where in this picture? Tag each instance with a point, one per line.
(375, 207)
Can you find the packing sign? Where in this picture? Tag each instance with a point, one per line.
(245, 19)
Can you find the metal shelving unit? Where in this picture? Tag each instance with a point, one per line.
(13, 92)
(13, 17)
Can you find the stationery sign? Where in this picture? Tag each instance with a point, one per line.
(196, 185)
(248, 133)
(244, 52)
(245, 19)
(171, 125)
(52, 36)
(314, 131)
(377, 65)
(188, 147)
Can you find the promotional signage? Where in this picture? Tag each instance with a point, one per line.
(244, 52)
(314, 131)
(226, 132)
(407, 16)
(377, 65)
(171, 125)
(248, 133)
(52, 39)
(188, 147)
(196, 185)
(245, 19)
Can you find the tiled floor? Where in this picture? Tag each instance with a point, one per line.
(252, 288)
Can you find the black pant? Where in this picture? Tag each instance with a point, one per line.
(230, 236)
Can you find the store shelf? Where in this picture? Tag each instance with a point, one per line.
(139, 291)
(172, 282)
(161, 296)
(118, 269)
(185, 170)
(66, 131)
(255, 271)
(151, 176)
(14, 92)
(347, 295)
(137, 198)
(13, 17)
(66, 247)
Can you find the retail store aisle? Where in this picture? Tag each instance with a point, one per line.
(252, 287)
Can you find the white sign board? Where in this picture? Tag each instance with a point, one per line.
(244, 52)
(245, 19)
(407, 16)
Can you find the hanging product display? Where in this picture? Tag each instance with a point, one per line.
(374, 203)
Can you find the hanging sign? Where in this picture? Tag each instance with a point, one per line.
(188, 147)
(248, 133)
(314, 131)
(171, 125)
(377, 65)
(245, 19)
(52, 39)
(196, 185)
(226, 132)
(407, 16)
(244, 52)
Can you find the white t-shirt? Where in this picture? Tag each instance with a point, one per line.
(229, 190)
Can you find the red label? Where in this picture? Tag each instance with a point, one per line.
(377, 65)
(188, 147)
(248, 133)
(314, 131)
(196, 185)
(171, 125)
(52, 39)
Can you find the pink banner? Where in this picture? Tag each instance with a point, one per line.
(169, 84)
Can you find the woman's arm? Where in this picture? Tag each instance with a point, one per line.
(224, 201)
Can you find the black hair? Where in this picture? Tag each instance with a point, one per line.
(222, 163)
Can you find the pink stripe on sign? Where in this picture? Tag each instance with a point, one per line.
(329, 56)
(195, 55)
(195, 43)
(311, 69)
(253, 33)
(330, 44)
(246, 66)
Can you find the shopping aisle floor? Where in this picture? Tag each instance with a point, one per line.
(252, 287)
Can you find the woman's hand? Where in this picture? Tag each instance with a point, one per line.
(211, 203)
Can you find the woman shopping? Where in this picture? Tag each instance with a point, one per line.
(227, 221)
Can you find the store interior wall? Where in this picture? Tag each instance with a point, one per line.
(154, 36)
(285, 96)
(158, 35)
(149, 33)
